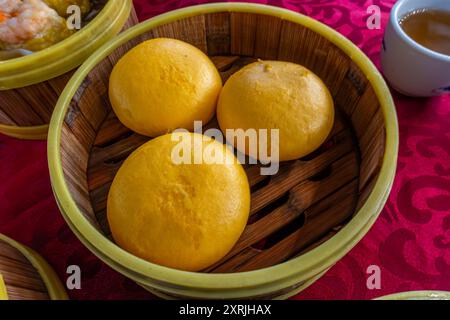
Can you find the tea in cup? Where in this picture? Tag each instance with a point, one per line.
(415, 57)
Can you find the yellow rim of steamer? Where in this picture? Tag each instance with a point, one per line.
(54, 286)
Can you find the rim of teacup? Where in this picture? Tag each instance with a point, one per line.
(395, 19)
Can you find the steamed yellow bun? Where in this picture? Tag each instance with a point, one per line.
(183, 216)
(279, 95)
(164, 84)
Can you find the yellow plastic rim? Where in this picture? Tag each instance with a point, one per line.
(67, 54)
(29, 133)
(3, 292)
(55, 289)
(284, 296)
(418, 295)
(305, 266)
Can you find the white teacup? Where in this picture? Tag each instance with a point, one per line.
(411, 68)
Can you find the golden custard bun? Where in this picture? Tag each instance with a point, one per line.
(278, 95)
(162, 85)
(183, 216)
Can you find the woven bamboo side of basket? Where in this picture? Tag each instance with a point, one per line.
(22, 280)
(308, 201)
(33, 105)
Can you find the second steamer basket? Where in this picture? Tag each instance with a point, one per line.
(30, 86)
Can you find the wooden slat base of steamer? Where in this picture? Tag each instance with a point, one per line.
(305, 203)
(22, 280)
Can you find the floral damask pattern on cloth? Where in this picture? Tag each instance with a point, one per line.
(410, 242)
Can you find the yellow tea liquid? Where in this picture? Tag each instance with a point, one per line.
(430, 28)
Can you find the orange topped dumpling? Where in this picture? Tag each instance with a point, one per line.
(30, 25)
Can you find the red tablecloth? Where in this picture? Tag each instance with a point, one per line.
(410, 242)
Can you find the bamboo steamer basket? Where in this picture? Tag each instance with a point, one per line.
(304, 219)
(30, 85)
(26, 275)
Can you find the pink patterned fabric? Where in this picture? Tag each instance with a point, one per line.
(410, 242)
